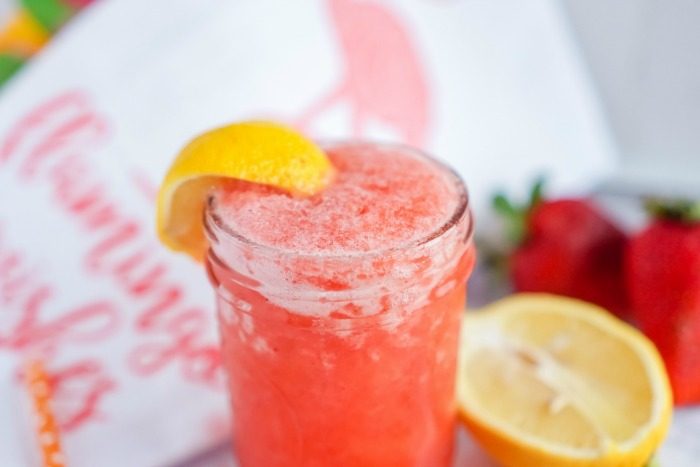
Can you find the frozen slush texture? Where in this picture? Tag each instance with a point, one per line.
(381, 198)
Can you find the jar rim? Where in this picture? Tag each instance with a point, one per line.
(214, 223)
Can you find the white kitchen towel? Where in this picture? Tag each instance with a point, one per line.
(87, 129)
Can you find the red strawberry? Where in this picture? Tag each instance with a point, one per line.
(566, 247)
(662, 268)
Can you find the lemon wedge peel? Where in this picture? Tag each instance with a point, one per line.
(257, 152)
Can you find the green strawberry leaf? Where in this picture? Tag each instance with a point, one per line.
(50, 14)
(503, 206)
(681, 210)
(536, 195)
(515, 216)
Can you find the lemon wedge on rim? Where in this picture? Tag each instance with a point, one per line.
(257, 152)
(552, 381)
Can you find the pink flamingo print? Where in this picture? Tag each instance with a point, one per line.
(383, 77)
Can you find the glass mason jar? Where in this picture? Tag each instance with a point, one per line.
(342, 360)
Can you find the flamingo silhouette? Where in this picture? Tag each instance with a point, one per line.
(383, 76)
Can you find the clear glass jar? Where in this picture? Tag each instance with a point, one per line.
(342, 360)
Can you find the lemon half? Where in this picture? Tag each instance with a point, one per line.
(552, 381)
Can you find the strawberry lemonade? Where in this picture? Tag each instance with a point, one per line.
(340, 312)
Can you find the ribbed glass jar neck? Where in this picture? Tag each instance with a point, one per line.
(314, 283)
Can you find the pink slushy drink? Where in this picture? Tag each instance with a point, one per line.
(339, 313)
